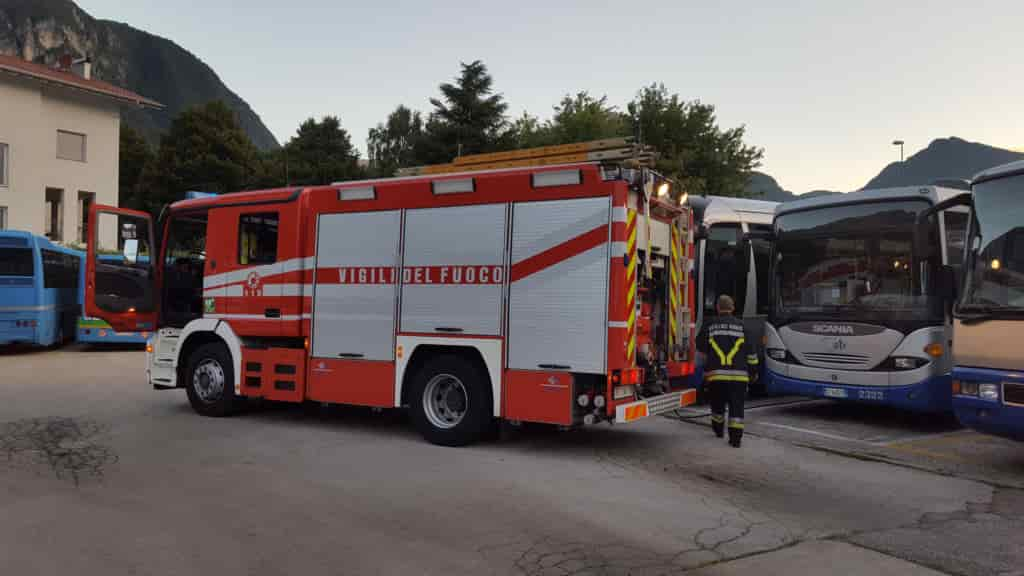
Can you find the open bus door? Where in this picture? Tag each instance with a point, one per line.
(121, 290)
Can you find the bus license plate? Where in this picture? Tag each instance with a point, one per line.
(835, 393)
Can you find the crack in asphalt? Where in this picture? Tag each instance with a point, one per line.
(68, 447)
(1005, 505)
(553, 555)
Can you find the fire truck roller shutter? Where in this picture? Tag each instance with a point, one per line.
(453, 270)
(558, 300)
(356, 285)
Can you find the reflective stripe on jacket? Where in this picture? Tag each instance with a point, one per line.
(728, 354)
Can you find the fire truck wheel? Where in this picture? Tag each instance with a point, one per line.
(210, 380)
(451, 401)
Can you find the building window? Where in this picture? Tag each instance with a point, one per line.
(3, 217)
(70, 146)
(4, 162)
(54, 214)
(257, 239)
(85, 201)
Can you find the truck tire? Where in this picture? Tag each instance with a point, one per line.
(210, 381)
(451, 401)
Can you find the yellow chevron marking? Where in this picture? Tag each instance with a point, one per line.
(718, 351)
(735, 349)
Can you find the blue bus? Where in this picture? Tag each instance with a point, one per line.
(42, 286)
(40, 301)
(988, 318)
(857, 314)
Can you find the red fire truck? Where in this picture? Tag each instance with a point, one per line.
(548, 285)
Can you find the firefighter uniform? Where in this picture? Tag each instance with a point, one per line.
(728, 366)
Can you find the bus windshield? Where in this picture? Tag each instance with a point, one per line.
(995, 278)
(854, 261)
(16, 262)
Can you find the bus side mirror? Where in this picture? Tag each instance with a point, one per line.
(767, 235)
(921, 223)
(947, 286)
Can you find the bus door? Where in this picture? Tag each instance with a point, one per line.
(120, 288)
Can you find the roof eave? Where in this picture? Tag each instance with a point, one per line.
(141, 102)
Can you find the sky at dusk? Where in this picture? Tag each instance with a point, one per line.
(823, 87)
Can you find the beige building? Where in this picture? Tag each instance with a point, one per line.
(59, 146)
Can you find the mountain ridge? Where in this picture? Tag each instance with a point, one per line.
(156, 67)
(950, 158)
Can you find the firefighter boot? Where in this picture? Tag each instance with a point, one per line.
(718, 425)
(735, 433)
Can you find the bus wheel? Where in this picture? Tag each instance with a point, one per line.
(210, 381)
(451, 401)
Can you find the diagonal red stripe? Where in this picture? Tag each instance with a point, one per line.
(559, 253)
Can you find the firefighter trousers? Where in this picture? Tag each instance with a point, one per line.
(732, 394)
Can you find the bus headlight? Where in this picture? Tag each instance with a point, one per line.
(776, 354)
(968, 388)
(904, 363)
(988, 392)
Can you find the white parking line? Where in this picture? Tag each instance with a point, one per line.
(813, 432)
(895, 441)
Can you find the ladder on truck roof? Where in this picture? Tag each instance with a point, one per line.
(622, 150)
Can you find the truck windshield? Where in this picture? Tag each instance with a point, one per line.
(16, 262)
(995, 279)
(854, 261)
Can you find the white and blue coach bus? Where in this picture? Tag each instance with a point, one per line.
(857, 313)
(988, 320)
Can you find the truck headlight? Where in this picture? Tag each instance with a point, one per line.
(621, 392)
(988, 392)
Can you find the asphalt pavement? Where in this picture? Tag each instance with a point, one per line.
(101, 475)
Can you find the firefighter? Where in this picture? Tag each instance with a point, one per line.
(729, 365)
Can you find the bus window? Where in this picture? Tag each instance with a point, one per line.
(724, 267)
(956, 236)
(16, 261)
(60, 270)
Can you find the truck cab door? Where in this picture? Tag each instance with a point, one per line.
(120, 289)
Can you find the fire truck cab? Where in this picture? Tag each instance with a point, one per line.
(550, 285)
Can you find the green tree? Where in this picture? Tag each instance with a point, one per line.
(469, 118)
(204, 149)
(527, 131)
(582, 118)
(135, 153)
(321, 153)
(395, 142)
(692, 148)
